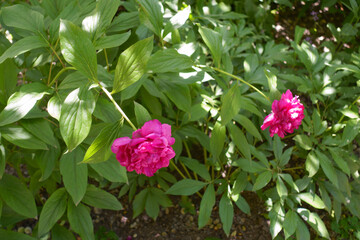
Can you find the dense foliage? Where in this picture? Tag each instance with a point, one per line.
(76, 75)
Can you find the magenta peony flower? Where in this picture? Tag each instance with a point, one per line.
(148, 150)
(287, 114)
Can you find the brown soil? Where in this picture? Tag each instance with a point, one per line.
(176, 224)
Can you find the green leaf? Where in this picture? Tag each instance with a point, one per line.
(75, 119)
(111, 41)
(304, 141)
(262, 180)
(281, 188)
(77, 49)
(248, 125)
(276, 215)
(47, 160)
(302, 232)
(22, 46)
(125, 21)
(178, 20)
(315, 222)
(299, 32)
(17, 196)
(185, 187)
(241, 203)
(169, 60)
(226, 212)
(197, 167)
(339, 160)
(240, 140)
(100, 18)
(312, 164)
(350, 132)
(217, 139)
(151, 15)
(139, 202)
(52, 211)
(132, 64)
(13, 16)
(106, 111)
(151, 205)
(312, 199)
(96, 197)
(20, 103)
(213, 40)
(20, 137)
(2, 162)
(327, 167)
(206, 205)
(60, 233)
(111, 170)
(10, 235)
(80, 220)
(290, 223)
(41, 129)
(230, 104)
(8, 77)
(178, 94)
(74, 175)
(272, 82)
(100, 149)
(141, 114)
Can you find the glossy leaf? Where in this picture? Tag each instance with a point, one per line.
(169, 60)
(142, 115)
(41, 129)
(111, 170)
(21, 102)
(290, 223)
(314, 221)
(132, 64)
(231, 104)
(248, 125)
(312, 199)
(75, 119)
(327, 167)
(197, 167)
(60, 233)
(11, 235)
(217, 140)
(262, 180)
(213, 41)
(112, 41)
(240, 141)
(151, 15)
(77, 49)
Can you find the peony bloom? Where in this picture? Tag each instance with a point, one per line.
(287, 114)
(148, 150)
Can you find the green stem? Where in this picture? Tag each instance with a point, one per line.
(177, 169)
(189, 155)
(117, 106)
(59, 73)
(241, 80)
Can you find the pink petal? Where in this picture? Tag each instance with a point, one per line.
(118, 143)
(152, 126)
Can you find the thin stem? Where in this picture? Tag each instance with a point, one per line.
(293, 168)
(189, 155)
(241, 80)
(59, 73)
(177, 169)
(107, 61)
(117, 106)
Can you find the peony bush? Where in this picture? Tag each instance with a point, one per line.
(159, 98)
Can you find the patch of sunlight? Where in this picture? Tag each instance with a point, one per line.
(187, 49)
(91, 23)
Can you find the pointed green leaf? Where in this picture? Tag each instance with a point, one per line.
(240, 141)
(151, 15)
(11, 235)
(77, 49)
(328, 168)
(111, 41)
(60, 233)
(226, 212)
(206, 205)
(15, 194)
(75, 119)
(185, 187)
(96, 197)
(41, 129)
(22, 138)
(111, 170)
(312, 199)
(213, 40)
(290, 223)
(169, 60)
(231, 104)
(315, 222)
(339, 160)
(20, 103)
(312, 164)
(141, 114)
(262, 180)
(74, 175)
(217, 139)
(197, 167)
(52, 211)
(248, 125)
(2, 162)
(132, 64)
(80, 220)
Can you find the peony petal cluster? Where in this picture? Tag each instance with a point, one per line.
(287, 114)
(148, 150)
